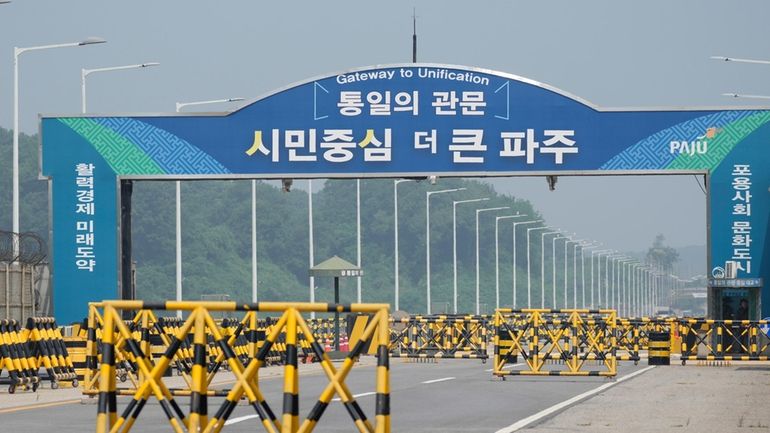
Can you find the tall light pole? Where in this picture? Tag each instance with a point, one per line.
(428, 195)
(358, 237)
(310, 243)
(178, 205)
(598, 286)
(16, 53)
(576, 242)
(624, 284)
(553, 265)
(497, 255)
(542, 265)
(84, 73)
(515, 284)
(454, 246)
(479, 211)
(583, 272)
(529, 268)
(396, 182)
(180, 105)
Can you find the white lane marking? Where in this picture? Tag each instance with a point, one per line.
(239, 419)
(363, 394)
(506, 367)
(543, 413)
(443, 379)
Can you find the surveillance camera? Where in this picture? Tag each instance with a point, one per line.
(432, 179)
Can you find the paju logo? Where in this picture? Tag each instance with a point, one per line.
(700, 145)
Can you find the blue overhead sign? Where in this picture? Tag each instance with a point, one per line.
(390, 121)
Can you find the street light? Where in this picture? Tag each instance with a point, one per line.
(395, 233)
(86, 72)
(479, 211)
(542, 265)
(16, 53)
(583, 272)
(529, 268)
(180, 105)
(739, 60)
(454, 246)
(597, 280)
(497, 256)
(428, 194)
(514, 254)
(178, 199)
(574, 271)
(621, 287)
(553, 264)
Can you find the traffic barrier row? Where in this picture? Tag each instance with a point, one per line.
(724, 340)
(45, 344)
(439, 337)
(16, 359)
(24, 351)
(569, 341)
(248, 335)
(118, 341)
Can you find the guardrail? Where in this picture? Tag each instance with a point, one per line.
(724, 340)
(118, 341)
(574, 339)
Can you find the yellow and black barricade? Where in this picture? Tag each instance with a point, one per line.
(555, 342)
(118, 340)
(16, 359)
(440, 337)
(46, 346)
(724, 340)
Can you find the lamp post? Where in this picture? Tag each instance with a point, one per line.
(515, 284)
(497, 256)
(598, 281)
(84, 73)
(542, 265)
(454, 246)
(576, 242)
(553, 265)
(178, 203)
(358, 237)
(16, 53)
(479, 211)
(396, 182)
(583, 272)
(428, 195)
(624, 264)
(529, 268)
(310, 243)
(621, 263)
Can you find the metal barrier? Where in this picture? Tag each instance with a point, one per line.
(118, 342)
(572, 338)
(633, 335)
(453, 337)
(724, 340)
(16, 359)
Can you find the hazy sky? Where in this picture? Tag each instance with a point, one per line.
(651, 53)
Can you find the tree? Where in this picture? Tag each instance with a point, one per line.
(660, 256)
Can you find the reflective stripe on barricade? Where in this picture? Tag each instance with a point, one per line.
(574, 339)
(120, 341)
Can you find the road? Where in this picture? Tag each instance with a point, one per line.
(449, 396)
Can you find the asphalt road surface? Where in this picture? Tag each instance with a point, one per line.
(449, 396)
